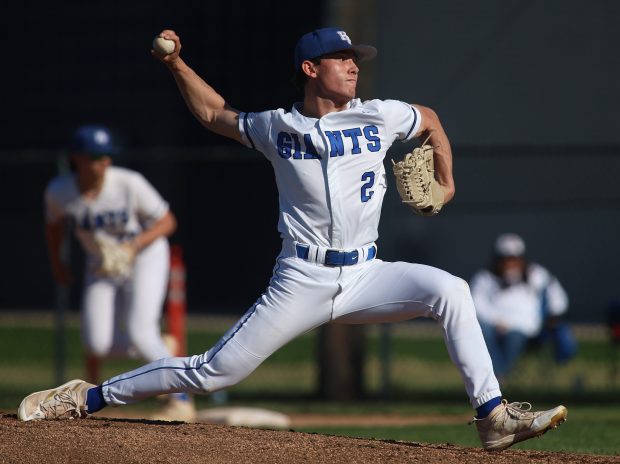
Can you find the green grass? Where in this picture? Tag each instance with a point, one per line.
(423, 380)
(593, 430)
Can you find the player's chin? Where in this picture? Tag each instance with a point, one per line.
(349, 91)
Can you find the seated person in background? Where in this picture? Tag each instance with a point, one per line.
(514, 300)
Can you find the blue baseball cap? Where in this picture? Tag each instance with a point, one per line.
(329, 40)
(93, 140)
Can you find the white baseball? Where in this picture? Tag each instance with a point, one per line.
(163, 46)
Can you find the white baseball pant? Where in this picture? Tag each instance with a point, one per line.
(304, 295)
(122, 317)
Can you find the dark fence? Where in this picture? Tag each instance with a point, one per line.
(540, 108)
(226, 201)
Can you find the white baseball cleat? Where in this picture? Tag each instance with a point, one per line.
(510, 423)
(65, 402)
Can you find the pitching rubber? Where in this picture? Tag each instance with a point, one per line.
(244, 416)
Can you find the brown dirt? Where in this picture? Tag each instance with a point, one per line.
(375, 420)
(317, 419)
(97, 440)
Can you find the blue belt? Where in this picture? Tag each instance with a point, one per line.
(336, 257)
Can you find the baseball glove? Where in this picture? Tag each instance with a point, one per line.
(416, 183)
(116, 258)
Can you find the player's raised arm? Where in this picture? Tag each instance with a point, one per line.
(204, 102)
(431, 127)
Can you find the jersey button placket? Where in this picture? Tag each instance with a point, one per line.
(333, 191)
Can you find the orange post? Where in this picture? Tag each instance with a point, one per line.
(93, 368)
(176, 308)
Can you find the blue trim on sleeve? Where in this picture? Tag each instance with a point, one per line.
(415, 120)
(247, 132)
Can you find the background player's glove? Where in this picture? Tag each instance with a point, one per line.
(116, 258)
(416, 183)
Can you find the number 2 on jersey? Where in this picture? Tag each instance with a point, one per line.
(369, 179)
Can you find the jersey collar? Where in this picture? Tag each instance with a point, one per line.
(296, 110)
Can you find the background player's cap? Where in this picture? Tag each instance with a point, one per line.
(329, 40)
(93, 140)
(509, 245)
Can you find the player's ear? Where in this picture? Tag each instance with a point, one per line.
(309, 68)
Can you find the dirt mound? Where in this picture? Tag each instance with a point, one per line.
(96, 440)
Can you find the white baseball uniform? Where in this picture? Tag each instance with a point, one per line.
(331, 183)
(518, 306)
(119, 316)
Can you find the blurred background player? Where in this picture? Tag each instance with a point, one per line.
(518, 301)
(108, 206)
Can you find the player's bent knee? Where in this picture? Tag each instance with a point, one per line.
(452, 288)
(210, 383)
(215, 376)
(456, 302)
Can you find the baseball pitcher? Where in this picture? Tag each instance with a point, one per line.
(327, 153)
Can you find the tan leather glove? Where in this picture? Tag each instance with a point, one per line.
(416, 183)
